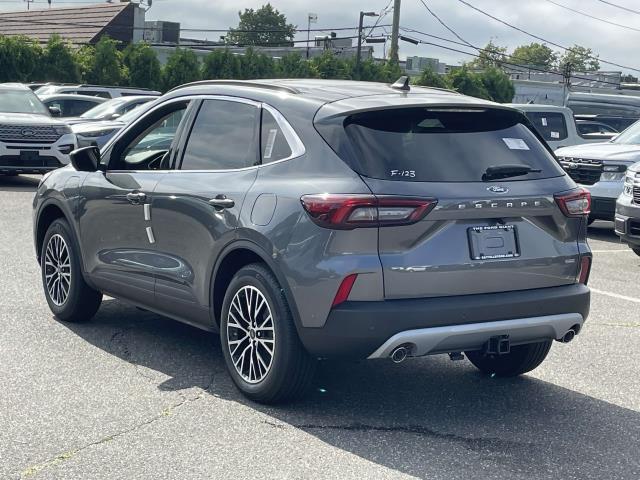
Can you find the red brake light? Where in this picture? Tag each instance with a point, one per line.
(585, 269)
(575, 203)
(348, 211)
(344, 289)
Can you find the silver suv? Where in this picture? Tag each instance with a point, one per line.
(306, 219)
(31, 141)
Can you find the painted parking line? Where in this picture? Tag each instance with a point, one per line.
(623, 250)
(615, 295)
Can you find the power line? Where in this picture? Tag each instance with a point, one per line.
(568, 49)
(383, 13)
(620, 7)
(593, 16)
(433, 14)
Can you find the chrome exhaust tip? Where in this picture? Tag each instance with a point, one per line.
(399, 354)
(567, 337)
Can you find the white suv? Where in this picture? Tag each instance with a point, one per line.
(31, 141)
(103, 91)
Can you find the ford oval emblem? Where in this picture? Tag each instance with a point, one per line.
(497, 189)
(27, 132)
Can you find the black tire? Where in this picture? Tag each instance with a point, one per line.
(81, 302)
(290, 373)
(636, 250)
(521, 359)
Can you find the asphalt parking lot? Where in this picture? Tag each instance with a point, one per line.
(133, 395)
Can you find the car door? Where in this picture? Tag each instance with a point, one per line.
(116, 236)
(196, 208)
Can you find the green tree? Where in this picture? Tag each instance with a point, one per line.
(328, 65)
(221, 64)
(83, 58)
(429, 78)
(143, 65)
(292, 65)
(498, 85)
(256, 65)
(260, 27)
(534, 55)
(19, 59)
(106, 66)
(467, 82)
(579, 59)
(182, 67)
(58, 62)
(490, 56)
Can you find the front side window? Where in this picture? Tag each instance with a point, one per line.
(150, 149)
(223, 137)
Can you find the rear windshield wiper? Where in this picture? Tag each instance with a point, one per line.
(496, 172)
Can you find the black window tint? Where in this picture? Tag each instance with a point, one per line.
(273, 144)
(437, 144)
(223, 137)
(551, 126)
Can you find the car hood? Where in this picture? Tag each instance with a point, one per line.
(28, 119)
(93, 126)
(602, 151)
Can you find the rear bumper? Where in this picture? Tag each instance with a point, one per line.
(358, 329)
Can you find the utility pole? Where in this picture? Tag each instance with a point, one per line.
(359, 51)
(312, 17)
(395, 32)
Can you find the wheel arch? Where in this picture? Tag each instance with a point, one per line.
(235, 256)
(50, 211)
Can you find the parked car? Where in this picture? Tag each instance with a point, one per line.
(98, 133)
(601, 169)
(604, 105)
(617, 123)
(71, 105)
(627, 220)
(31, 141)
(94, 90)
(596, 129)
(556, 125)
(112, 109)
(316, 218)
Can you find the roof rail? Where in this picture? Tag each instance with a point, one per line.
(108, 86)
(240, 83)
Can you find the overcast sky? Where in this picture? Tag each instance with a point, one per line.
(540, 17)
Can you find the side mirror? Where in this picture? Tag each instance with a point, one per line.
(55, 111)
(115, 115)
(86, 159)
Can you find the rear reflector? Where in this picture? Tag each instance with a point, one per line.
(348, 211)
(585, 269)
(575, 203)
(344, 289)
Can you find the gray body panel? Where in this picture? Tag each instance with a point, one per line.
(173, 271)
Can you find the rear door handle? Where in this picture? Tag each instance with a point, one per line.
(221, 202)
(135, 198)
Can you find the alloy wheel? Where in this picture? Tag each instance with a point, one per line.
(250, 334)
(57, 269)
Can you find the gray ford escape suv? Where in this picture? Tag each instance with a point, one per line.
(307, 219)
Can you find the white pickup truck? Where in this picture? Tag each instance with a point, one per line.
(558, 126)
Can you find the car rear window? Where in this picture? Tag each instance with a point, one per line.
(551, 126)
(437, 144)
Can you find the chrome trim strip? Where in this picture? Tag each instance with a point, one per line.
(150, 236)
(147, 212)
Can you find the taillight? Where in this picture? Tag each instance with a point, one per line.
(348, 211)
(344, 289)
(585, 269)
(575, 203)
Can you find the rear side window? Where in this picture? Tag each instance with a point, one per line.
(550, 125)
(223, 137)
(273, 144)
(437, 144)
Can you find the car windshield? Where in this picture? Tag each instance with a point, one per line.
(630, 136)
(21, 101)
(46, 90)
(131, 114)
(104, 110)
